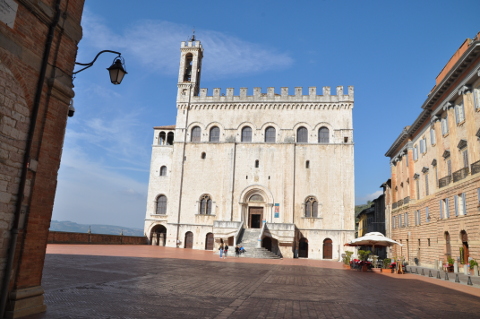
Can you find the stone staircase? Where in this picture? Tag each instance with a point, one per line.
(249, 241)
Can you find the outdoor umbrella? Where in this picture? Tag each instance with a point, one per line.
(373, 239)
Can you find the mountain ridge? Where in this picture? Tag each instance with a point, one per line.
(69, 226)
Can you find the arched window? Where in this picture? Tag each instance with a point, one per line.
(161, 138)
(162, 205)
(270, 133)
(302, 135)
(205, 205)
(311, 207)
(256, 198)
(187, 76)
(196, 131)
(163, 171)
(247, 134)
(170, 136)
(214, 134)
(323, 135)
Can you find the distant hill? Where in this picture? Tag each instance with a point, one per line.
(68, 226)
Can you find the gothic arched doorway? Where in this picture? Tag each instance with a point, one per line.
(158, 235)
(327, 248)
(267, 243)
(464, 238)
(303, 248)
(188, 239)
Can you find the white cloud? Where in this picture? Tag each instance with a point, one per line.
(364, 199)
(156, 43)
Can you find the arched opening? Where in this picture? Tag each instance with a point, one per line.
(187, 76)
(255, 214)
(465, 253)
(323, 135)
(302, 135)
(170, 136)
(196, 134)
(158, 235)
(209, 242)
(214, 134)
(448, 247)
(267, 243)
(163, 171)
(327, 248)
(188, 239)
(303, 248)
(247, 134)
(270, 133)
(161, 138)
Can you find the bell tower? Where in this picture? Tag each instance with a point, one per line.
(191, 54)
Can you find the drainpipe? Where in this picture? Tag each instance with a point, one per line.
(26, 159)
(183, 164)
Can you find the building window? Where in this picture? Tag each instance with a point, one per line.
(257, 163)
(417, 217)
(302, 135)
(428, 242)
(406, 219)
(444, 208)
(196, 132)
(444, 124)
(460, 205)
(163, 171)
(478, 196)
(162, 205)
(214, 134)
(205, 205)
(465, 158)
(476, 98)
(415, 152)
(426, 185)
(323, 135)
(427, 214)
(204, 155)
(423, 145)
(449, 167)
(161, 138)
(307, 164)
(311, 207)
(393, 221)
(460, 112)
(417, 184)
(247, 134)
(432, 136)
(270, 133)
(400, 221)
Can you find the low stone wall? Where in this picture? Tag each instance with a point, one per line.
(59, 237)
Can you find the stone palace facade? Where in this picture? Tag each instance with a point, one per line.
(278, 164)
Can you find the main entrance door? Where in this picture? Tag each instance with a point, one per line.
(255, 216)
(327, 249)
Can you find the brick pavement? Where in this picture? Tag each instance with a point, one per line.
(158, 282)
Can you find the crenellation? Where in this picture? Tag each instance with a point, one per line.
(272, 96)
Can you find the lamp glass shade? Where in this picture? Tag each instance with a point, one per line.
(117, 72)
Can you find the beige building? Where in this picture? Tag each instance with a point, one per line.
(433, 200)
(271, 166)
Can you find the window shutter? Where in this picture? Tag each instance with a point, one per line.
(457, 116)
(432, 136)
(447, 207)
(427, 213)
(441, 208)
(209, 207)
(202, 206)
(465, 158)
(455, 199)
(315, 209)
(464, 202)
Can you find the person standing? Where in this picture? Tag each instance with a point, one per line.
(225, 251)
(220, 249)
(237, 251)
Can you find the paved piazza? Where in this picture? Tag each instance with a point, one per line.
(82, 281)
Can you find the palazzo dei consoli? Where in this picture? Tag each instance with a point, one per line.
(268, 170)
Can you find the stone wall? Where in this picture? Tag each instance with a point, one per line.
(58, 237)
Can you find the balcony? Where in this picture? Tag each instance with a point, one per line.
(394, 205)
(475, 167)
(400, 203)
(460, 174)
(444, 181)
(406, 200)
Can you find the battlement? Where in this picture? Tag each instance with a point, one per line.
(190, 44)
(269, 96)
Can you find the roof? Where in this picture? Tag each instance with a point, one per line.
(165, 127)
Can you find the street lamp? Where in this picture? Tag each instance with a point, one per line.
(117, 69)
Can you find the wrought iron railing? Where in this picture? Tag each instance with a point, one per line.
(460, 174)
(444, 181)
(394, 205)
(475, 167)
(400, 203)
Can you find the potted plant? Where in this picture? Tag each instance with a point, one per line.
(450, 262)
(386, 263)
(347, 256)
(363, 256)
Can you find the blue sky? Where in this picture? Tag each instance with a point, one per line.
(390, 51)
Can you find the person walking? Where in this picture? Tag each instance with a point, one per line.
(225, 251)
(237, 251)
(220, 249)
